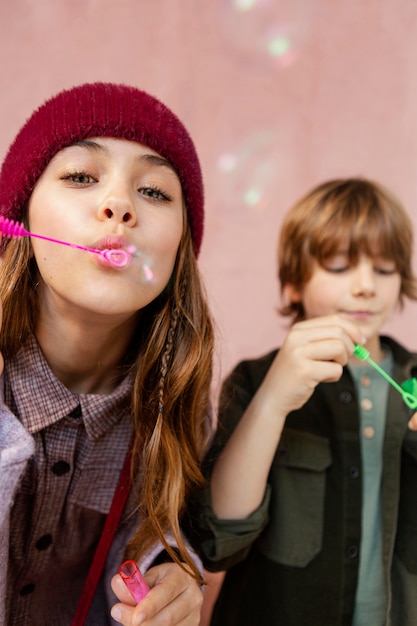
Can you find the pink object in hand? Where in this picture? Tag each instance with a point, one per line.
(133, 579)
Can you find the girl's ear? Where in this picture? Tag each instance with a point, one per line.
(292, 293)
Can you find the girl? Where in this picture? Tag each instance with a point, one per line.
(313, 469)
(106, 369)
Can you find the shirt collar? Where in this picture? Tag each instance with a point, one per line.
(42, 400)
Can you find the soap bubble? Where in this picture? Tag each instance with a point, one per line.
(250, 170)
(147, 273)
(263, 33)
(145, 265)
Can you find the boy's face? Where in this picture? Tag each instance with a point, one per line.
(366, 293)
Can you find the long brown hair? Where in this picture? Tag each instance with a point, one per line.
(171, 406)
(170, 396)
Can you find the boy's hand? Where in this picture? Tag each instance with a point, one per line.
(412, 424)
(175, 598)
(314, 351)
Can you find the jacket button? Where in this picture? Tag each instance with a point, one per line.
(282, 452)
(354, 471)
(345, 397)
(352, 552)
(60, 467)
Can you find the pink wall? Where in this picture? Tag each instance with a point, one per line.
(339, 98)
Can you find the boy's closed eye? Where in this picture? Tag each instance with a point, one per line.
(340, 263)
(337, 263)
(386, 268)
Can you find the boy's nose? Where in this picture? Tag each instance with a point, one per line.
(364, 279)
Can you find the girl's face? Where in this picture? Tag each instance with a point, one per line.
(366, 293)
(105, 193)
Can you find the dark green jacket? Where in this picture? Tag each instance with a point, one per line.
(295, 561)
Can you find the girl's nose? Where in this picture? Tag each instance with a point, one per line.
(119, 210)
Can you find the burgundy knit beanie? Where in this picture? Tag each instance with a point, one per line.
(100, 110)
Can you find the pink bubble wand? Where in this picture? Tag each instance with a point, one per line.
(133, 579)
(117, 257)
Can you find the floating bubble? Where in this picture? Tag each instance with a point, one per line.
(243, 5)
(264, 33)
(227, 162)
(252, 196)
(148, 273)
(250, 171)
(145, 265)
(279, 46)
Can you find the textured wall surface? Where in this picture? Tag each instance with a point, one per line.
(278, 95)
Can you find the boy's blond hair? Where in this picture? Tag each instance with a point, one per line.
(354, 213)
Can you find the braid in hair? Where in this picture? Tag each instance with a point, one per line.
(165, 357)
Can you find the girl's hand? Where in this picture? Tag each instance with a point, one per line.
(174, 598)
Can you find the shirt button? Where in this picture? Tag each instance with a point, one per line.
(368, 432)
(365, 381)
(44, 542)
(354, 471)
(366, 404)
(27, 589)
(60, 467)
(352, 552)
(76, 413)
(345, 397)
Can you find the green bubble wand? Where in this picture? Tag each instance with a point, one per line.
(408, 389)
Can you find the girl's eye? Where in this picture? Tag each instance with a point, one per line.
(154, 193)
(79, 178)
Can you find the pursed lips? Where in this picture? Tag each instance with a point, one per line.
(115, 242)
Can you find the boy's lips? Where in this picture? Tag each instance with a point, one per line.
(360, 314)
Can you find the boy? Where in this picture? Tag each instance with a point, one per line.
(313, 471)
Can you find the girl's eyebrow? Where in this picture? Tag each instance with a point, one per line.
(153, 159)
(87, 143)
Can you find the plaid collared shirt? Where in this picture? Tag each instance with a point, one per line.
(66, 492)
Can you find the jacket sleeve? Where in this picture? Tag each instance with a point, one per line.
(222, 543)
(16, 447)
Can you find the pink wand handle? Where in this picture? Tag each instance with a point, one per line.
(133, 579)
(10, 228)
